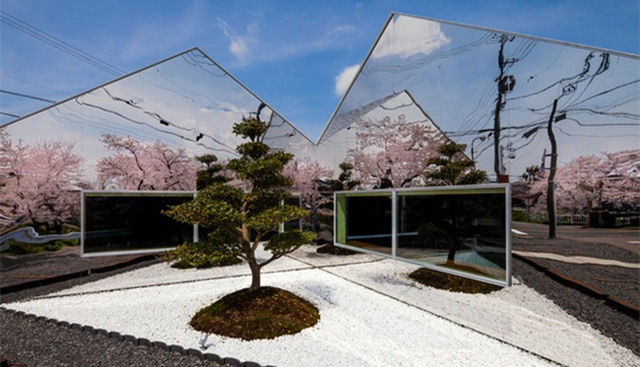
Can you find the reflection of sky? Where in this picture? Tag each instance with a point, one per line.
(455, 84)
(189, 101)
(186, 102)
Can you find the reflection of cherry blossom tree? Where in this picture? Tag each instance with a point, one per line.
(307, 176)
(139, 166)
(587, 182)
(393, 153)
(40, 182)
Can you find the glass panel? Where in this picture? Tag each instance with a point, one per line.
(460, 231)
(132, 222)
(366, 223)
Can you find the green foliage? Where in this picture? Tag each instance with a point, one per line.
(22, 248)
(344, 181)
(251, 128)
(204, 254)
(256, 209)
(210, 173)
(282, 241)
(453, 168)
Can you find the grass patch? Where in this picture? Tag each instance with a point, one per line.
(265, 313)
(450, 282)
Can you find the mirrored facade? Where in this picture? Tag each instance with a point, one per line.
(462, 230)
(140, 132)
(116, 222)
(424, 82)
(490, 90)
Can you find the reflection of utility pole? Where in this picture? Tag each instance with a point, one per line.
(505, 85)
(551, 201)
(473, 158)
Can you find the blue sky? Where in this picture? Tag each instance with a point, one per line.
(288, 52)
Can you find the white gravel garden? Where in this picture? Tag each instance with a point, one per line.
(371, 314)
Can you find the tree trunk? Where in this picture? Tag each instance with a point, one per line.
(452, 252)
(255, 275)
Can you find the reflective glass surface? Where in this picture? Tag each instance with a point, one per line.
(463, 231)
(132, 222)
(490, 90)
(365, 222)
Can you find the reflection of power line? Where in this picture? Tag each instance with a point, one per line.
(190, 59)
(109, 111)
(487, 38)
(57, 43)
(162, 120)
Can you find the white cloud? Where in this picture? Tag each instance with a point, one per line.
(344, 79)
(407, 36)
(238, 45)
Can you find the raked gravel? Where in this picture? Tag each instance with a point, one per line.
(371, 315)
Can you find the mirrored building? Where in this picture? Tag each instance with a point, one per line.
(423, 82)
(140, 132)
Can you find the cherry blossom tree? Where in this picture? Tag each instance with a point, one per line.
(393, 153)
(145, 166)
(307, 176)
(41, 182)
(587, 182)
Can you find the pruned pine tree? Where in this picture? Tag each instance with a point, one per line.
(452, 221)
(243, 215)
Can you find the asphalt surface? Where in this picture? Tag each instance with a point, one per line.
(628, 239)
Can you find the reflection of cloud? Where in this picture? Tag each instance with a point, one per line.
(238, 45)
(408, 36)
(344, 79)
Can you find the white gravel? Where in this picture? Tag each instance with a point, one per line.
(371, 315)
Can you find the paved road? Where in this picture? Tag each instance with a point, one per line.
(623, 238)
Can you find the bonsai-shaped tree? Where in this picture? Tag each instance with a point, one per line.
(454, 221)
(242, 214)
(210, 171)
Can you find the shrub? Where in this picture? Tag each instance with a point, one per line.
(200, 255)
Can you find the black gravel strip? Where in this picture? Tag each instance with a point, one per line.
(23, 268)
(38, 342)
(608, 321)
(619, 282)
(56, 287)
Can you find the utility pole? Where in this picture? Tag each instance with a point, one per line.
(496, 116)
(551, 201)
(505, 83)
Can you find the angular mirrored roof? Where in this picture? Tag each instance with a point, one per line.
(185, 102)
(495, 90)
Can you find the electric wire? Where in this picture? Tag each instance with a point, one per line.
(47, 38)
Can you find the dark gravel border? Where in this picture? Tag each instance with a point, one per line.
(593, 309)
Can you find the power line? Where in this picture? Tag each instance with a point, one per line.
(59, 44)
(9, 114)
(26, 96)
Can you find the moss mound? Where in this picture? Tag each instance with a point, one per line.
(265, 313)
(450, 282)
(329, 248)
